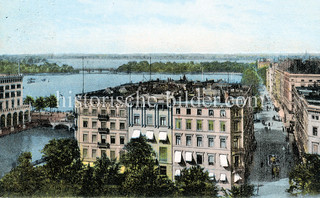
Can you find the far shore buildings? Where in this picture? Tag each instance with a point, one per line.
(217, 135)
(14, 114)
(292, 84)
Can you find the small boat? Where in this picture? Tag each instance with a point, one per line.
(31, 80)
(43, 80)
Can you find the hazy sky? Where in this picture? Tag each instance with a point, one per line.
(159, 26)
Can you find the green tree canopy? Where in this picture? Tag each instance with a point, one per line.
(51, 101)
(305, 176)
(29, 100)
(195, 182)
(244, 190)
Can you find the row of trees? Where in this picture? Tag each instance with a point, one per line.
(64, 174)
(188, 67)
(10, 67)
(40, 103)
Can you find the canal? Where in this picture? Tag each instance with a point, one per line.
(33, 140)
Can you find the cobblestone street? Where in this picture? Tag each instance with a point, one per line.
(273, 157)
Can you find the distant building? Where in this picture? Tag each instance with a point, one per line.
(14, 114)
(263, 63)
(182, 131)
(307, 114)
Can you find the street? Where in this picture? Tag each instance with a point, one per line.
(273, 157)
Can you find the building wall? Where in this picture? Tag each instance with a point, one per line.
(14, 114)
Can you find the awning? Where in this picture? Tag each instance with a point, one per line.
(150, 135)
(237, 177)
(177, 156)
(178, 173)
(224, 160)
(189, 156)
(163, 136)
(136, 134)
(223, 177)
(211, 175)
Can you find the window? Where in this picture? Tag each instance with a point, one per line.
(94, 111)
(236, 126)
(94, 138)
(222, 113)
(112, 139)
(315, 131)
(178, 123)
(199, 158)
(94, 124)
(199, 125)
(163, 121)
(210, 125)
(163, 154)
(210, 142)
(13, 94)
(199, 111)
(199, 141)
(13, 86)
(85, 111)
(149, 119)
(222, 126)
(188, 140)
(18, 86)
(313, 117)
(0, 105)
(18, 93)
(211, 112)
(103, 125)
(122, 113)
(136, 119)
(317, 117)
(210, 159)
(1, 96)
(112, 125)
(163, 170)
(122, 125)
(18, 102)
(315, 148)
(12, 103)
(85, 124)
(7, 104)
(236, 142)
(178, 139)
(94, 153)
(113, 112)
(7, 95)
(85, 152)
(121, 140)
(112, 155)
(103, 112)
(188, 124)
(85, 138)
(103, 139)
(188, 111)
(236, 161)
(177, 110)
(103, 152)
(7, 87)
(223, 143)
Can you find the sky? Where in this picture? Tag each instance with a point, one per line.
(159, 26)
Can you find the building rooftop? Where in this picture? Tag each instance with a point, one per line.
(311, 94)
(178, 88)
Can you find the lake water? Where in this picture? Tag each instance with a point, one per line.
(33, 140)
(67, 85)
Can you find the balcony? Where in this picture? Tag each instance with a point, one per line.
(236, 149)
(103, 145)
(103, 130)
(103, 117)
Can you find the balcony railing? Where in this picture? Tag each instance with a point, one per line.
(235, 149)
(103, 130)
(103, 117)
(103, 145)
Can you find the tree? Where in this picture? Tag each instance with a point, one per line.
(29, 100)
(244, 190)
(195, 182)
(51, 101)
(142, 178)
(251, 78)
(24, 180)
(63, 163)
(305, 176)
(106, 175)
(87, 183)
(40, 104)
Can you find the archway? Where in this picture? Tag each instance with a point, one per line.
(20, 117)
(15, 119)
(3, 121)
(9, 120)
(26, 116)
